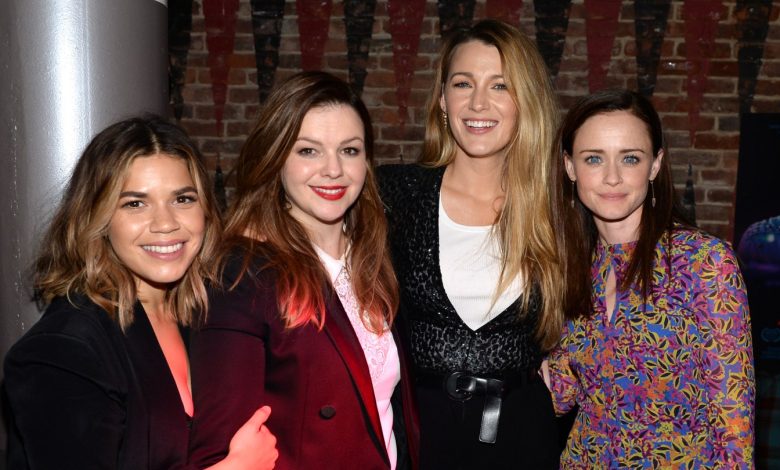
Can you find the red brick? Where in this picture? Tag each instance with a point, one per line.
(713, 211)
(242, 60)
(197, 94)
(719, 50)
(243, 95)
(714, 159)
(199, 128)
(697, 158)
(716, 141)
(720, 177)
(408, 132)
(244, 43)
(722, 196)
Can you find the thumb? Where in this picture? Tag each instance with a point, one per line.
(259, 417)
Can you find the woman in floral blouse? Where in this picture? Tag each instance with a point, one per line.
(658, 352)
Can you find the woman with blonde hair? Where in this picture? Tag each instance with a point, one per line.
(102, 380)
(304, 319)
(475, 255)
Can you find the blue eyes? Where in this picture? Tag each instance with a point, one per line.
(627, 159)
(464, 84)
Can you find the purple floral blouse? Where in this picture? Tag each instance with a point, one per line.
(668, 381)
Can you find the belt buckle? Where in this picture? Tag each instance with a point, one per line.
(459, 386)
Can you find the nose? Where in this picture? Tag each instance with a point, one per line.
(332, 166)
(478, 101)
(612, 176)
(164, 220)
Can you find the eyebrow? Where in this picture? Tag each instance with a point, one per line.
(138, 194)
(317, 142)
(471, 75)
(603, 151)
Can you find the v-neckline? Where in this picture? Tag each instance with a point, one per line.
(437, 261)
(158, 356)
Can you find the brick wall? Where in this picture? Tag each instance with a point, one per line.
(704, 62)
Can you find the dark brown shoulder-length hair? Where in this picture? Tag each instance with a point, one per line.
(260, 211)
(76, 256)
(577, 234)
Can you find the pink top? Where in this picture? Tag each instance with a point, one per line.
(380, 351)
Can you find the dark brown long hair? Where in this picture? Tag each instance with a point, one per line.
(577, 233)
(260, 217)
(76, 255)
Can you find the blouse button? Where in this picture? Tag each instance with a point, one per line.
(327, 412)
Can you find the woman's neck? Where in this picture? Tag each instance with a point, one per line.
(619, 231)
(480, 178)
(471, 192)
(332, 242)
(153, 300)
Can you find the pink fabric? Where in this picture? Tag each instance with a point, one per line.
(380, 351)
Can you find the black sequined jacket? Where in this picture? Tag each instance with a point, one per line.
(440, 342)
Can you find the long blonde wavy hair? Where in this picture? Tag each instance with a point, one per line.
(524, 226)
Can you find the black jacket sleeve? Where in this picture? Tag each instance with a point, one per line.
(67, 410)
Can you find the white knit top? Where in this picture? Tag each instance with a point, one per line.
(470, 267)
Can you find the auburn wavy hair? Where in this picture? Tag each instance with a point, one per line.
(259, 215)
(524, 228)
(75, 254)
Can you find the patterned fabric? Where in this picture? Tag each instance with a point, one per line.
(375, 346)
(668, 381)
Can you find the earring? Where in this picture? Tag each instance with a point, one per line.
(652, 193)
(444, 118)
(572, 193)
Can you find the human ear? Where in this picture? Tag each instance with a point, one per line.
(656, 166)
(569, 166)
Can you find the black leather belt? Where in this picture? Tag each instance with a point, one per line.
(462, 386)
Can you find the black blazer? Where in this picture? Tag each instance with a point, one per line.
(317, 383)
(501, 347)
(83, 395)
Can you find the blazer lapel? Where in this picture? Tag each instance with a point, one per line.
(339, 330)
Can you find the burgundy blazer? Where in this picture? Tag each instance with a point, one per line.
(317, 382)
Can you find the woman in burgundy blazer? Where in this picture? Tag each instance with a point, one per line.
(303, 318)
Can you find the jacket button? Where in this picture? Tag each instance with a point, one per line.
(327, 412)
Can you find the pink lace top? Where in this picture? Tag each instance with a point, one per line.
(380, 351)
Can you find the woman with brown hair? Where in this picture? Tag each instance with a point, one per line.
(658, 352)
(303, 322)
(102, 380)
(474, 250)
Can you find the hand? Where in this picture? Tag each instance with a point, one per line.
(252, 446)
